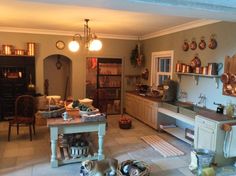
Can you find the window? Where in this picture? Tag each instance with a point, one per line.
(162, 66)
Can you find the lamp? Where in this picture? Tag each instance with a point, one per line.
(91, 42)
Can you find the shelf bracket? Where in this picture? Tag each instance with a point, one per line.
(195, 79)
(179, 78)
(216, 82)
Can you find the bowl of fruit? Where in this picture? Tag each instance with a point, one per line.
(125, 123)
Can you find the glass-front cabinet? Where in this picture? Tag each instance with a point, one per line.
(104, 82)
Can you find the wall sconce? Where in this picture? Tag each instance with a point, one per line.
(91, 42)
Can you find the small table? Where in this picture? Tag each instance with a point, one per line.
(59, 126)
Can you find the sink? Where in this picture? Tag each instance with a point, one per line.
(184, 108)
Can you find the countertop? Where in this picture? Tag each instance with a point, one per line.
(208, 113)
(155, 99)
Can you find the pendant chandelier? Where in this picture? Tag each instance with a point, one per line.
(91, 42)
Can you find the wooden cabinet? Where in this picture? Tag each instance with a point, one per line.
(209, 135)
(142, 109)
(16, 73)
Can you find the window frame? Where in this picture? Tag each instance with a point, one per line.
(155, 65)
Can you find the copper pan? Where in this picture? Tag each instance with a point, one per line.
(225, 77)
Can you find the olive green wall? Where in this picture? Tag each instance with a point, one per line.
(45, 45)
(226, 37)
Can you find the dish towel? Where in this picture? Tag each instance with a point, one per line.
(230, 143)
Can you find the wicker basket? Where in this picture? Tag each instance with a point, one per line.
(134, 165)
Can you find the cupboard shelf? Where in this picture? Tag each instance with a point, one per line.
(196, 77)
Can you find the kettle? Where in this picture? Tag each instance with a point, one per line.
(214, 68)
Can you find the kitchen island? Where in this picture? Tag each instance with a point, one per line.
(76, 125)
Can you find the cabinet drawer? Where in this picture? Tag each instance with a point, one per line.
(206, 123)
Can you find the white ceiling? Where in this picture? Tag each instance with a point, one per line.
(117, 18)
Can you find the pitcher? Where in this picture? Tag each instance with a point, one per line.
(214, 68)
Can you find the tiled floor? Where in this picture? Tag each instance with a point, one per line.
(20, 157)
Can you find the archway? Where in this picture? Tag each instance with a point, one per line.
(57, 75)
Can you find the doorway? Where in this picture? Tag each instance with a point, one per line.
(57, 75)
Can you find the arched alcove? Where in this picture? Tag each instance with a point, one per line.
(57, 75)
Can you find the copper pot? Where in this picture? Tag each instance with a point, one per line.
(225, 77)
(188, 69)
(178, 67)
(184, 68)
(205, 70)
(198, 70)
(7, 49)
(233, 78)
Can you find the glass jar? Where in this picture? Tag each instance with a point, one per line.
(230, 109)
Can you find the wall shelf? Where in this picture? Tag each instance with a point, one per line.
(196, 77)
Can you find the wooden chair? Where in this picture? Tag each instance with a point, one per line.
(25, 108)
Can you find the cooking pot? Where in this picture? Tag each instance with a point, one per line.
(226, 76)
(196, 62)
(214, 68)
(198, 70)
(205, 70)
(178, 67)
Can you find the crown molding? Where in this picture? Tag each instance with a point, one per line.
(182, 27)
(63, 33)
(190, 25)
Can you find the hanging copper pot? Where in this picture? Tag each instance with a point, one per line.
(213, 43)
(193, 44)
(185, 45)
(202, 44)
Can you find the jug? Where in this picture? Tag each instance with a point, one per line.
(214, 68)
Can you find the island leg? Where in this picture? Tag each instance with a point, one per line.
(101, 133)
(54, 138)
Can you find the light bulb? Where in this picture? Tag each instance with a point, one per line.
(95, 45)
(73, 46)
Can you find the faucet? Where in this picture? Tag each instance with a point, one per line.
(202, 100)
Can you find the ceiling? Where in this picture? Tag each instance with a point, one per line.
(112, 18)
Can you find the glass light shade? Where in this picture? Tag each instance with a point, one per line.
(95, 45)
(73, 46)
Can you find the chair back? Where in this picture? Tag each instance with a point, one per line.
(25, 106)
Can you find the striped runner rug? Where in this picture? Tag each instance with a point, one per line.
(163, 147)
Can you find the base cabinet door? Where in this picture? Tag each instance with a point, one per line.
(205, 134)
(142, 109)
